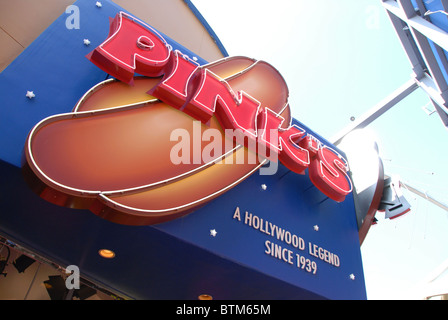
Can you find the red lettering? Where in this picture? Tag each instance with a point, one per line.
(132, 47)
(311, 144)
(269, 123)
(216, 97)
(202, 105)
(328, 172)
(293, 156)
(173, 89)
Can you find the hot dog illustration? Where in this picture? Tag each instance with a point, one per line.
(113, 154)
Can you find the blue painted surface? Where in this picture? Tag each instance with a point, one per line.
(179, 259)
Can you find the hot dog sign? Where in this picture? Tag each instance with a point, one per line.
(113, 154)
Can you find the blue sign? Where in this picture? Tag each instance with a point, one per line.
(270, 237)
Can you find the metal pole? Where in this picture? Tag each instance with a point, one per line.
(371, 115)
(425, 196)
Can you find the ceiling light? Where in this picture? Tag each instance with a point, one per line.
(106, 253)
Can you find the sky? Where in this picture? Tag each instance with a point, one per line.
(339, 59)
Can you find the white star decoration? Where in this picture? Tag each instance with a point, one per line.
(213, 232)
(86, 42)
(352, 276)
(30, 94)
(316, 228)
(98, 4)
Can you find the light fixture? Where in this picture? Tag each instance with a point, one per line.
(205, 297)
(106, 253)
(23, 262)
(56, 288)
